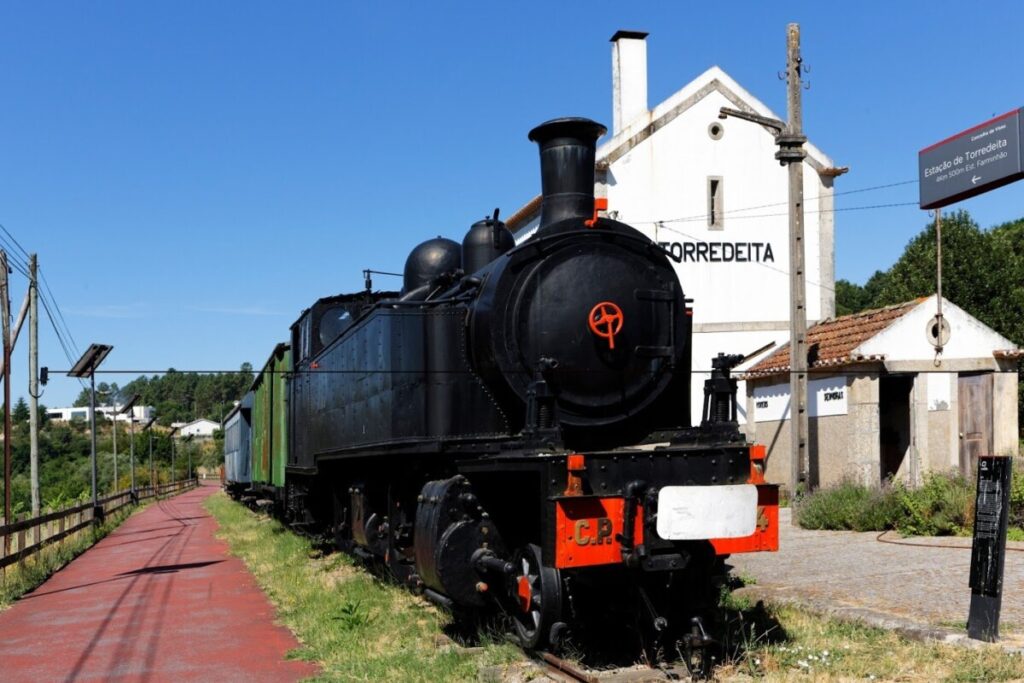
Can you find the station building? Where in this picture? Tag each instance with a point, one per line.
(713, 194)
(883, 404)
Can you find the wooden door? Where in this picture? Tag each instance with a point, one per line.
(974, 394)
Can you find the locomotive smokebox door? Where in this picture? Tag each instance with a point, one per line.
(581, 307)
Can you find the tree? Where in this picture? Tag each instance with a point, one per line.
(21, 413)
(83, 399)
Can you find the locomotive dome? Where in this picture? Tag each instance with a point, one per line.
(428, 261)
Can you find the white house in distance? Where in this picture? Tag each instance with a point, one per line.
(201, 428)
(882, 403)
(81, 413)
(711, 192)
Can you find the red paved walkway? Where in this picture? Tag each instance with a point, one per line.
(159, 599)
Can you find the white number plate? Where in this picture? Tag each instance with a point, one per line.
(687, 513)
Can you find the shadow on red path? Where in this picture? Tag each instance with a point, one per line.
(169, 605)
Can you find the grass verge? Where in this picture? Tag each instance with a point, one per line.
(783, 643)
(355, 626)
(25, 576)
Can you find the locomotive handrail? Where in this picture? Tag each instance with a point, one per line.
(53, 526)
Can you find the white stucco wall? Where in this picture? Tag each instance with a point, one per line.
(906, 340)
(660, 188)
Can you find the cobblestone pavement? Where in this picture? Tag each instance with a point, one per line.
(921, 580)
(159, 599)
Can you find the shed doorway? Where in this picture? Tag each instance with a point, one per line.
(894, 423)
(974, 395)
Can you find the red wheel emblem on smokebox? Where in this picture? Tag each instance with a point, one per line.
(605, 321)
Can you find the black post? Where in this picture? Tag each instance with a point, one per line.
(988, 551)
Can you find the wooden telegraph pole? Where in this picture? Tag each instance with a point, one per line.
(791, 152)
(33, 380)
(5, 311)
(790, 138)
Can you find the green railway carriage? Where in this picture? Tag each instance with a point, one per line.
(270, 424)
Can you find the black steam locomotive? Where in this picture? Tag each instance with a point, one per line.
(511, 430)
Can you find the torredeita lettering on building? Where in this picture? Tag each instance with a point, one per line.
(721, 252)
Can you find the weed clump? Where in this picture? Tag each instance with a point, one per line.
(942, 506)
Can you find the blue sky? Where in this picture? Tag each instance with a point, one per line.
(193, 174)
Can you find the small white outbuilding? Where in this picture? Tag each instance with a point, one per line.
(199, 428)
(882, 402)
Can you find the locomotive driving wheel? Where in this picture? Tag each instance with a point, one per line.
(537, 597)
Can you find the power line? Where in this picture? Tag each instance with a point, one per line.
(873, 188)
(60, 337)
(70, 353)
(14, 239)
(781, 213)
(12, 258)
(60, 313)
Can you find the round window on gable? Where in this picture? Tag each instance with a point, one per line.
(716, 130)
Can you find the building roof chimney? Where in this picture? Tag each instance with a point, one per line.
(629, 78)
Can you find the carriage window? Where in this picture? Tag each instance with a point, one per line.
(334, 321)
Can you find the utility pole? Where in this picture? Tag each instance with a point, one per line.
(5, 311)
(790, 139)
(113, 426)
(170, 435)
(131, 457)
(791, 152)
(33, 380)
(938, 277)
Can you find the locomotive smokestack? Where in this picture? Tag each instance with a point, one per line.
(567, 149)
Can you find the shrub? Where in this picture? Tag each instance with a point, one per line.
(848, 506)
(942, 506)
(1017, 494)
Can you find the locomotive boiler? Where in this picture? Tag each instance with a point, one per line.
(510, 431)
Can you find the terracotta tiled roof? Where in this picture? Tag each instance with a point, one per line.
(524, 214)
(832, 342)
(1008, 354)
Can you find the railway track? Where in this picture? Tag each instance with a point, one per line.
(563, 671)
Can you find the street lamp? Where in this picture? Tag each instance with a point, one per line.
(127, 408)
(152, 472)
(170, 435)
(86, 367)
